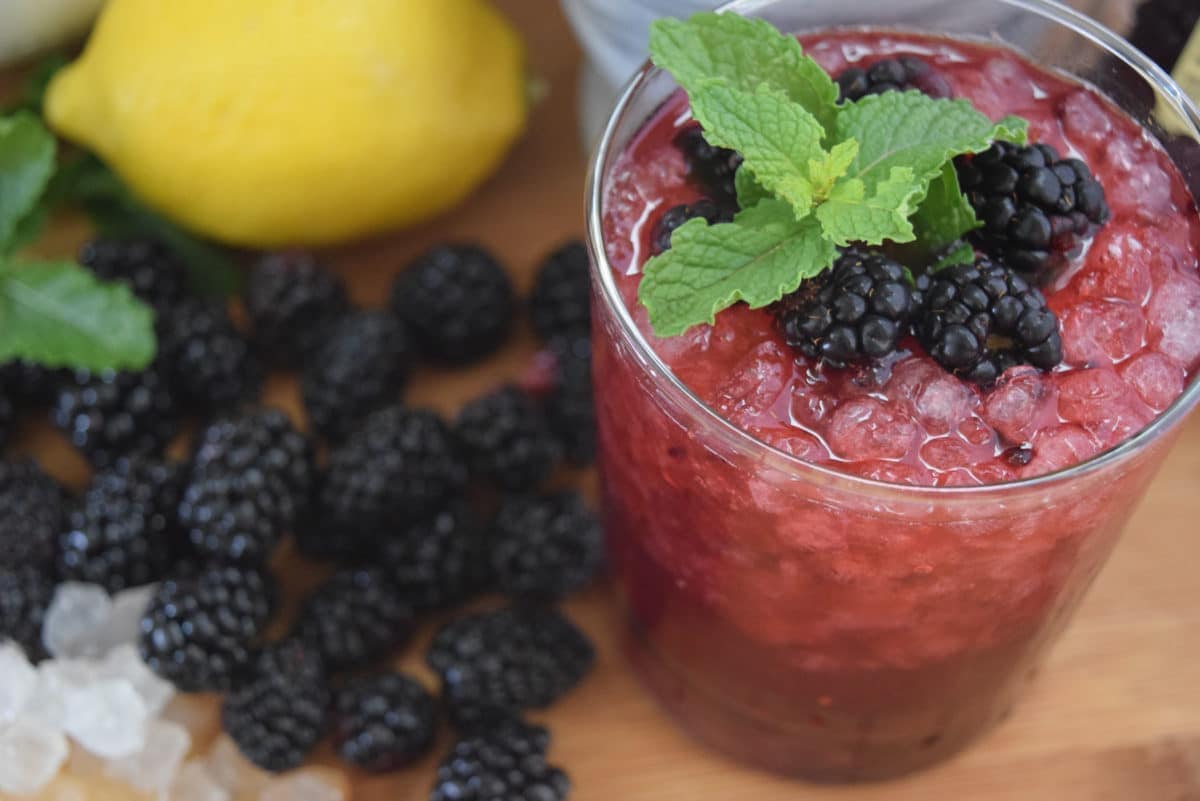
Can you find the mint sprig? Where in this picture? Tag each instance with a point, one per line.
(815, 174)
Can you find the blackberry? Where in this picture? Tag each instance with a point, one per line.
(1035, 207)
(570, 405)
(511, 659)
(507, 763)
(28, 384)
(383, 722)
(198, 632)
(148, 268)
(545, 546)
(560, 303)
(25, 594)
(980, 319)
(355, 618)
(507, 439)
(676, 216)
(123, 533)
(33, 506)
(361, 366)
(110, 414)
(712, 168)
(891, 75)
(439, 561)
(458, 302)
(205, 358)
(290, 298)
(856, 311)
(8, 419)
(400, 465)
(278, 716)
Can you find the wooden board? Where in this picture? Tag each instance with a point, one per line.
(1115, 715)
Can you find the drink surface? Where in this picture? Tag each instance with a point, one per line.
(1129, 302)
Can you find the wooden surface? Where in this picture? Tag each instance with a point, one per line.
(1115, 715)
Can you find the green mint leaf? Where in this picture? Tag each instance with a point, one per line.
(59, 315)
(776, 137)
(852, 215)
(29, 227)
(823, 172)
(26, 164)
(749, 190)
(744, 54)
(758, 258)
(961, 253)
(945, 215)
(1012, 129)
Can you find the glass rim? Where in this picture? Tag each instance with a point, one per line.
(1052, 10)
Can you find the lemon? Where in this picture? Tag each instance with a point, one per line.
(296, 122)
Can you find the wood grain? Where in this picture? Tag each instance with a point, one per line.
(1114, 716)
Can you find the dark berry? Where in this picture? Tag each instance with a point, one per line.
(28, 384)
(712, 169)
(507, 439)
(355, 618)
(545, 546)
(361, 366)
(507, 763)
(1036, 207)
(891, 75)
(199, 632)
(570, 406)
(290, 298)
(458, 302)
(148, 268)
(854, 312)
(383, 722)
(109, 414)
(8, 418)
(206, 360)
(400, 465)
(439, 561)
(676, 216)
(561, 300)
(981, 319)
(25, 594)
(512, 658)
(32, 506)
(124, 532)
(282, 712)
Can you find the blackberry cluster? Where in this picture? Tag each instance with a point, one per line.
(507, 439)
(206, 359)
(1033, 204)
(383, 722)
(439, 561)
(457, 301)
(506, 763)
(355, 618)
(25, 594)
(712, 168)
(31, 515)
(361, 366)
(560, 304)
(511, 659)
(110, 414)
(279, 715)
(570, 407)
(198, 633)
(290, 298)
(123, 533)
(545, 547)
(149, 269)
(856, 311)
(676, 216)
(891, 75)
(981, 319)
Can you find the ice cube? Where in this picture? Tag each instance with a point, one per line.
(124, 662)
(107, 717)
(194, 782)
(1155, 378)
(233, 771)
(75, 622)
(1019, 405)
(1121, 271)
(1100, 401)
(1085, 119)
(153, 768)
(1175, 321)
(309, 784)
(46, 704)
(30, 756)
(17, 680)
(939, 400)
(864, 429)
(124, 618)
(1099, 332)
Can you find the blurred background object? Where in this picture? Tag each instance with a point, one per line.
(28, 27)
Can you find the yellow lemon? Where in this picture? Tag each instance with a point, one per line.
(296, 122)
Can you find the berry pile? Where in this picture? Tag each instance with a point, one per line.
(891, 75)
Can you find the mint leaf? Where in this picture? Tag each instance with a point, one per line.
(26, 164)
(744, 54)
(945, 215)
(59, 315)
(776, 137)
(823, 172)
(962, 253)
(749, 191)
(758, 258)
(1012, 129)
(850, 215)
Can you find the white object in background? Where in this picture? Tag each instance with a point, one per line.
(28, 27)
